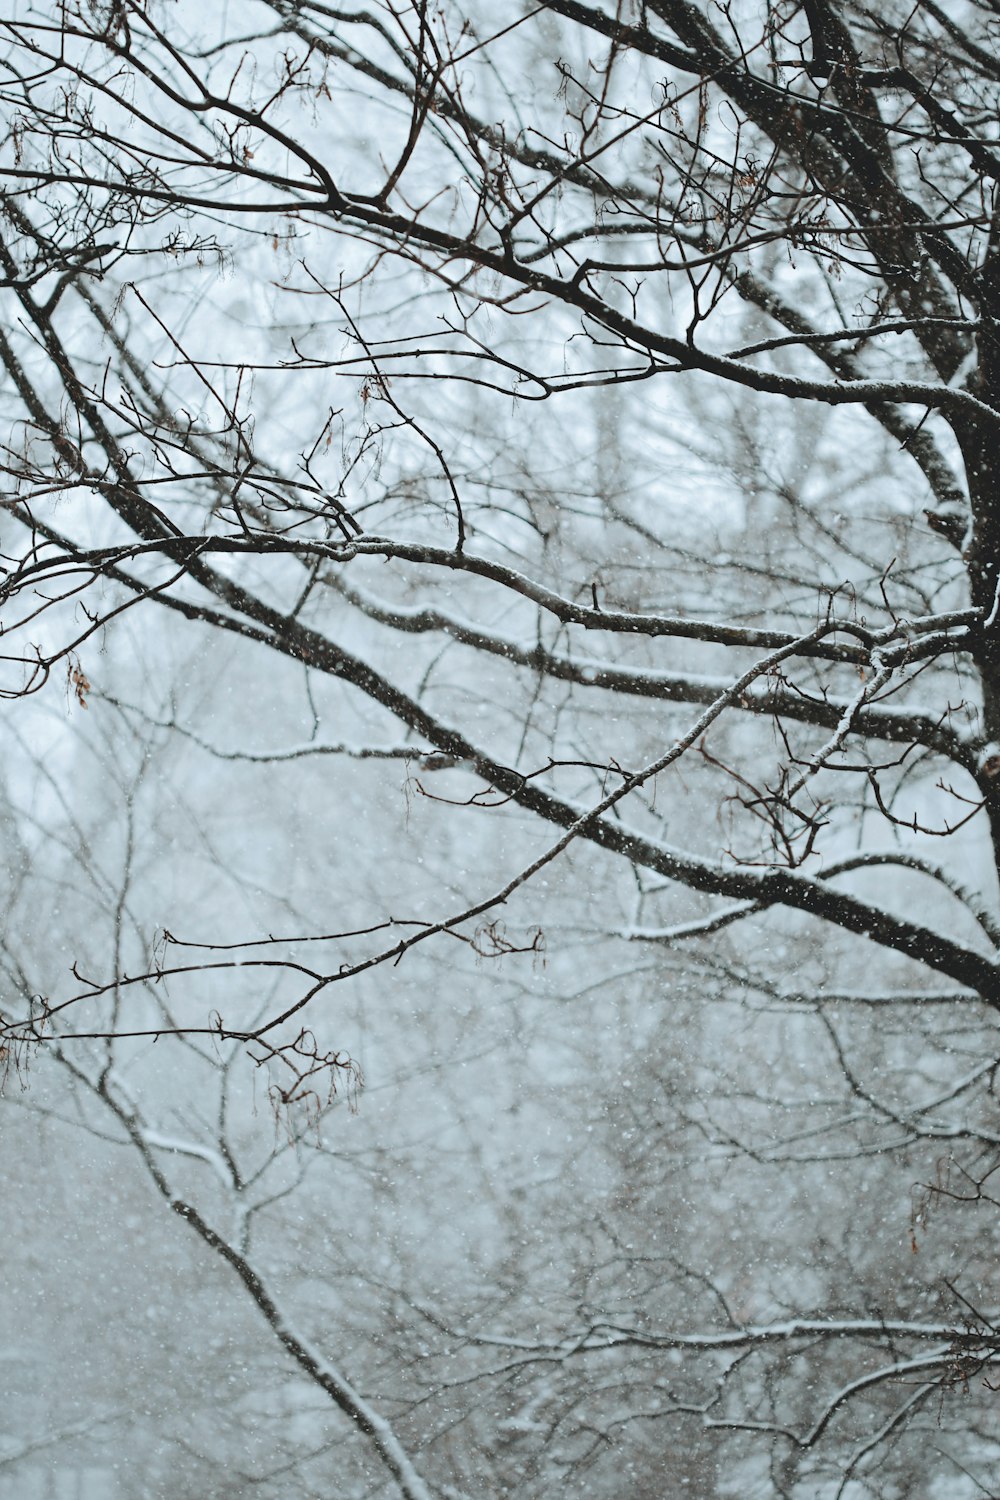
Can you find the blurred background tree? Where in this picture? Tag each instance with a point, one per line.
(501, 597)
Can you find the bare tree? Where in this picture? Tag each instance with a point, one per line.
(309, 318)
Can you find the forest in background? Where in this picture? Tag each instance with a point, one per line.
(501, 645)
